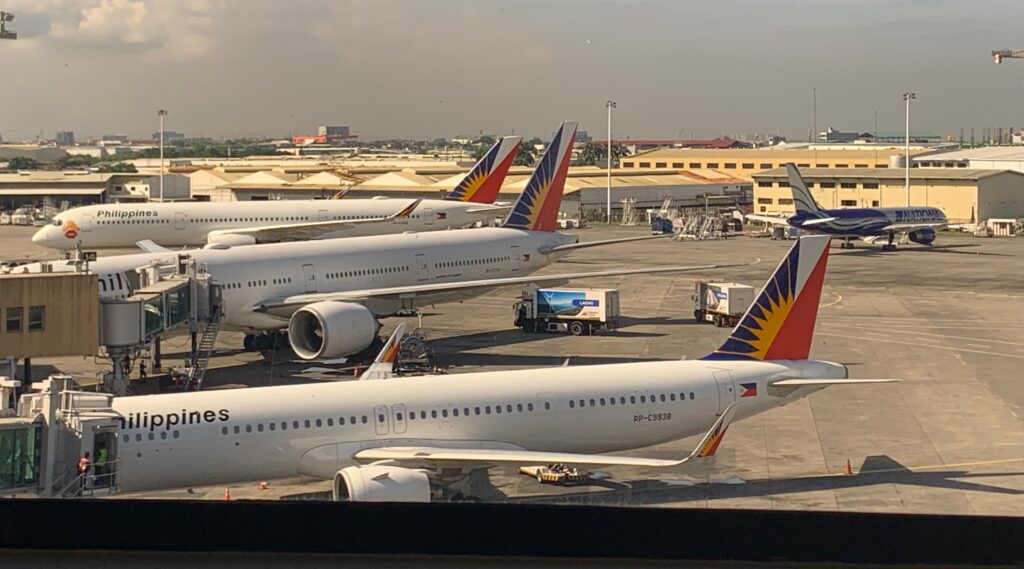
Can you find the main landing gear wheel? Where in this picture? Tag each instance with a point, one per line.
(249, 343)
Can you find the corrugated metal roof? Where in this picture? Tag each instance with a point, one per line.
(888, 173)
(984, 153)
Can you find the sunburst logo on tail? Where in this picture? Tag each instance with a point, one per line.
(780, 323)
(483, 182)
(537, 208)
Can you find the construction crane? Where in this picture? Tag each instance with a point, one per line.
(1001, 54)
(4, 34)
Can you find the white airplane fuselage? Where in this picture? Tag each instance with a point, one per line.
(314, 430)
(256, 274)
(190, 223)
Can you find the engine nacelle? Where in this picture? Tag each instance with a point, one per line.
(228, 238)
(381, 484)
(924, 236)
(331, 329)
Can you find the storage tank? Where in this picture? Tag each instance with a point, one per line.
(897, 161)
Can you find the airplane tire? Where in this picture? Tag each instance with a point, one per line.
(249, 343)
(576, 328)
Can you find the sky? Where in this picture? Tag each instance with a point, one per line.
(441, 68)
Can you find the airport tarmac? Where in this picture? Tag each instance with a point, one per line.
(947, 321)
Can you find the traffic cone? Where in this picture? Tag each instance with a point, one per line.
(263, 486)
(848, 471)
(227, 494)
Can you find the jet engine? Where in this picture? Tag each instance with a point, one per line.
(923, 236)
(228, 238)
(330, 329)
(381, 484)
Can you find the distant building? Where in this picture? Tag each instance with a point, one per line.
(339, 131)
(833, 135)
(108, 139)
(583, 136)
(176, 187)
(169, 135)
(65, 138)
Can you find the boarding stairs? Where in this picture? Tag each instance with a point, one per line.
(204, 351)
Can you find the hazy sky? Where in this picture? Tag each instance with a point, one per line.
(440, 68)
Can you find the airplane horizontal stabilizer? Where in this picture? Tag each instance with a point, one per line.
(812, 382)
(149, 246)
(818, 221)
(586, 244)
(767, 219)
(313, 229)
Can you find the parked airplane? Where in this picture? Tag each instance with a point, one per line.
(251, 222)
(870, 224)
(406, 439)
(328, 294)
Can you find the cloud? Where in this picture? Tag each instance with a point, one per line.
(155, 30)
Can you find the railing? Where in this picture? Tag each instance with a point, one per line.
(99, 476)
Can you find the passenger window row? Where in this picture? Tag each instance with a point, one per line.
(365, 272)
(152, 436)
(469, 262)
(633, 399)
(132, 221)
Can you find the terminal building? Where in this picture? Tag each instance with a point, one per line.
(745, 162)
(965, 195)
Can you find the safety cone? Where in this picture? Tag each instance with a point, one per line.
(227, 494)
(263, 485)
(848, 471)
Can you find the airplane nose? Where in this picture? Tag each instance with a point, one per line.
(40, 236)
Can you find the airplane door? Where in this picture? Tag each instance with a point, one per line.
(321, 215)
(726, 389)
(309, 275)
(381, 420)
(428, 216)
(421, 268)
(399, 413)
(179, 220)
(514, 252)
(86, 223)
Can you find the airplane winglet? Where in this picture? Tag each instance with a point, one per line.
(709, 444)
(383, 365)
(149, 246)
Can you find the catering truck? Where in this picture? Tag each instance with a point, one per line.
(721, 303)
(572, 311)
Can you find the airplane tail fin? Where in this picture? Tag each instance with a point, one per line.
(779, 325)
(802, 199)
(482, 183)
(537, 208)
(384, 364)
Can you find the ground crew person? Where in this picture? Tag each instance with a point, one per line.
(84, 464)
(101, 461)
(142, 370)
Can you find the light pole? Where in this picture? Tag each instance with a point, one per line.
(161, 113)
(610, 104)
(908, 96)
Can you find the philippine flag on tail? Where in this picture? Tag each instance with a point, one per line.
(748, 390)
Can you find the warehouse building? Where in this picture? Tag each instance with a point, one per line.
(986, 157)
(745, 162)
(76, 188)
(964, 195)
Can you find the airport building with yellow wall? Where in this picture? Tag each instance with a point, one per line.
(965, 195)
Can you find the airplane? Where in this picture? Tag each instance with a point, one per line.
(329, 294)
(251, 222)
(870, 224)
(407, 439)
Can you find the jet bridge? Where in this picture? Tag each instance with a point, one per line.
(165, 300)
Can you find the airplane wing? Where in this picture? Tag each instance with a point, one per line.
(411, 291)
(312, 230)
(495, 209)
(149, 246)
(911, 226)
(436, 456)
(767, 219)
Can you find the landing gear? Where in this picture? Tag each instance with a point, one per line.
(890, 246)
(846, 243)
(264, 342)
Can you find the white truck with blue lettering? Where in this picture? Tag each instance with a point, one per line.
(572, 311)
(721, 303)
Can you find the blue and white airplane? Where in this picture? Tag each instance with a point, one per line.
(870, 224)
